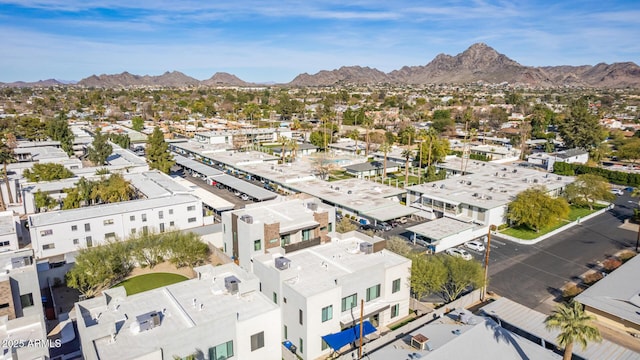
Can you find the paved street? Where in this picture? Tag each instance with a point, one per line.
(531, 274)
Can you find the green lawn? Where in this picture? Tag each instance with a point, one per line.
(150, 281)
(527, 234)
(339, 175)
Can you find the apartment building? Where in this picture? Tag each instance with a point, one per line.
(10, 231)
(320, 289)
(21, 311)
(289, 223)
(56, 236)
(220, 314)
(242, 136)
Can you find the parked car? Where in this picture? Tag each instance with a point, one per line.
(385, 226)
(476, 245)
(375, 228)
(237, 193)
(244, 197)
(458, 252)
(617, 192)
(403, 220)
(421, 241)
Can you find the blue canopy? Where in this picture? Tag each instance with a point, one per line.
(338, 340)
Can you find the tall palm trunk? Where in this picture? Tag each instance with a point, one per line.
(6, 179)
(384, 171)
(568, 352)
(3, 206)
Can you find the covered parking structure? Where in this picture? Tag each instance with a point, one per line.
(195, 168)
(443, 233)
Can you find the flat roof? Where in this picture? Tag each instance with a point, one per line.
(487, 185)
(481, 338)
(532, 322)
(7, 223)
(314, 270)
(41, 153)
(618, 293)
(196, 166)
(287, 212)
(125, 157)
(155, 184)
(181, 319)
(62, 216)
(244, 187)
(441, 228)
(207, 197)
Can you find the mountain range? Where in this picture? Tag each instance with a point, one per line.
(479, 63)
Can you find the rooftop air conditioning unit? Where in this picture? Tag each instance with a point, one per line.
(146, 322)
(231, 284)
(247, 218)
(312, 206)
(282, 263)
(366, 248)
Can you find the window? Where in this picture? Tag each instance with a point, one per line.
(108, 222)
(87, 227)
(285, 240)
(306, 234)
(160, 215)
(327, 313)
(89, 241)
(46, 232)
(373, 292)
(395, 310)
(172, 223)
(349, 302)
(110, 236)
(74, 227)
(257, 245)
(132, 218)
(301, 348)
(191, 208)
(133, 231)
(330, 227)
(275, 298)
(286, 332)
(161, 227)
(191, 220)
(4, 306)
(26, 300)
(221, 352)
(76, 241)
(4, 243)
(170, 211)
(300, 316)
(48, 246)
(257, 341)
(145, 230)
(395, 287)
(144, 217)
(324, 345)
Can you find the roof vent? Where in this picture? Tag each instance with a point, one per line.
(231, 284)
(145, 322)
(247, 218)
(312, 206)
(366, 247)
(282, 263)
(442, 186)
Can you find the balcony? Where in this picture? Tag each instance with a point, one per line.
(301, 245)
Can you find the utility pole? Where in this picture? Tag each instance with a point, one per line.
(486, 262)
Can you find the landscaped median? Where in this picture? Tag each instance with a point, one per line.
(577, 214)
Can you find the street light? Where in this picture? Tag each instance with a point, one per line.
(486, 261)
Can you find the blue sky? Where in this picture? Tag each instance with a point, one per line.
(267, 40)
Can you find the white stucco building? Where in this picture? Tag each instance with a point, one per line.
(220, 314)
(320, 288)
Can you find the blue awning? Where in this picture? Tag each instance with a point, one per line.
(338, 340)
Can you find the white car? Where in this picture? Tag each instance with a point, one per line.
(476, 245)
(617, 192)
(457, 252)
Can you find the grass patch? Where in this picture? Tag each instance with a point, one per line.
(146, 282)
(402, 323)
(339, 175)
(575, 212)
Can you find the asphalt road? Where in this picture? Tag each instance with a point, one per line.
(532, 274)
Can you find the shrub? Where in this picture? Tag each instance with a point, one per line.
(570, 291)
(625, 256)
(611, 264)
(592, 277)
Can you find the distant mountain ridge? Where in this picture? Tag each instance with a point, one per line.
(478, 63)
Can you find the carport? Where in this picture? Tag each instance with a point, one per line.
(253, 191)
(195, 166)
(387, 213)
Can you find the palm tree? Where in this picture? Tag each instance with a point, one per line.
(282, 140)
(385, 148)
(293, 145)
(575, 326)
(6, 156)
(407, 154)
(354, 135)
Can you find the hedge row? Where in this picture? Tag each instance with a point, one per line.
(615, 177)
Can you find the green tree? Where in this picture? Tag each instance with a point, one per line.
(186, 249)
(6, 157)
(100, 149)
(462, 274)
(158, 155)
(122, 140)
(581, 129)
(407, 154)
(44, 201)
(58, 130)
(587, 189)
(137, 123)
(445, 275)
(575, 326)
(385, 148)
(47, 172)
(31, 129)
(536, 209)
